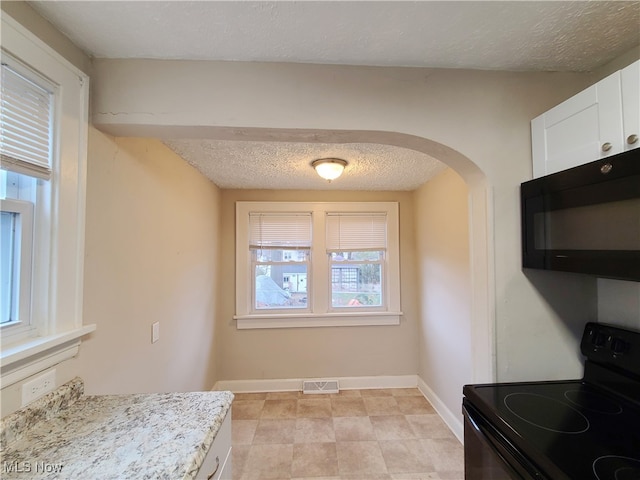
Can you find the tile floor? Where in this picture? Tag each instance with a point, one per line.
(355, 434)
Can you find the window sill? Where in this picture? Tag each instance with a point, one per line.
(32, 356)
(288, 320)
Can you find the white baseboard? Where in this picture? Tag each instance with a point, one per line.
(453, 421)
(295, 384)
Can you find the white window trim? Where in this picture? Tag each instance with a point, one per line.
(322, 315)
(58, 312)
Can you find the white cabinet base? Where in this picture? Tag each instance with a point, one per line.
(217, 464)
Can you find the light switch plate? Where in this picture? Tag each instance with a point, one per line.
(155, 332)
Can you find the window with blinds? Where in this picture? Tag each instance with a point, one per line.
(356, 244)
(43, 158)
(356, 231)
(26, 121)
(276, 230)
(307, 264)
(280, 245)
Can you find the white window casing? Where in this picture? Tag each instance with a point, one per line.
(381, 233)
(59, 206)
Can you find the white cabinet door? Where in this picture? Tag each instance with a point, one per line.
(217, 464)
(630, 83)
(584, 128)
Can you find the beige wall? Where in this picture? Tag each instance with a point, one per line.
(444, 286)
(315, 352)
(151, 256)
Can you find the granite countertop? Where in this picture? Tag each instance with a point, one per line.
(66, 434)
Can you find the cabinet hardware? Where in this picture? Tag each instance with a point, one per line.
(631, 139)
(606, 168)
(211, 475)
(606, 147)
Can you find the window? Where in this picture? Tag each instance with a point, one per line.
(43, 133)
(26, 146)
(356, 245)
(280, 245)
(317, 264)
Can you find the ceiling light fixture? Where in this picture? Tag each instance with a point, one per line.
(329, 168)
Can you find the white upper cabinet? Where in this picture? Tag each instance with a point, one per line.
(630, 83)
(598, 122)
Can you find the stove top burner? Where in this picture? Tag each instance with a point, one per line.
(613, 467)
(546, 413)
(594, 402)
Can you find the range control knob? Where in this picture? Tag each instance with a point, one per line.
(599, 340)
(618, 346)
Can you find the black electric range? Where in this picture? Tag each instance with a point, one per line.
(587, 429)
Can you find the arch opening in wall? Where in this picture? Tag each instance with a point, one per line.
(479, 205)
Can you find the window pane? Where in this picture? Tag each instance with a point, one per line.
(356, 279)
(373, 256)
(7, 266)
(281, 278)
(279, 255)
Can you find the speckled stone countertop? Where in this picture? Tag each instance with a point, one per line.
(66, 434)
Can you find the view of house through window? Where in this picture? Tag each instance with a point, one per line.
(281, 278)
(356, 279)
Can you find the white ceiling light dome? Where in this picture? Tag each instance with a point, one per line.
(329, 168)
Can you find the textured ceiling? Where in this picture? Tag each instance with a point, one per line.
(501, 35)
(280, 166)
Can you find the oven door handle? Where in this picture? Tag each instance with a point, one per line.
(500, 445)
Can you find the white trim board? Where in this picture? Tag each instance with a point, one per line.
(295, 384)
(454, 422)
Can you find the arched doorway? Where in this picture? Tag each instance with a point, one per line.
(480, 216)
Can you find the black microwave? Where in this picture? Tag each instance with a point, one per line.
(585, 219)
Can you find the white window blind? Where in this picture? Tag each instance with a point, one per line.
(356, 231)
(280, 230)
(26, 113)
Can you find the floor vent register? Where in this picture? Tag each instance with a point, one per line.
(320, 386)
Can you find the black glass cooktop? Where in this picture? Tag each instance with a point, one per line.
(570, 427)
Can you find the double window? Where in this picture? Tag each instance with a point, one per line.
(316, 264)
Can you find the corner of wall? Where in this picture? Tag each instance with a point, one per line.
(29, 18)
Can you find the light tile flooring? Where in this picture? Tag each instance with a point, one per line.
(356, 434)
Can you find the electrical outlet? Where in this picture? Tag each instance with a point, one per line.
(38, 386)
